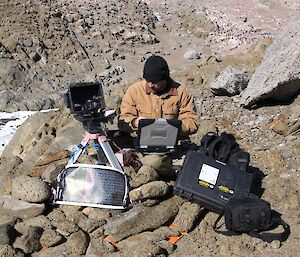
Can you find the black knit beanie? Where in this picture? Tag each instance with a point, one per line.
(156, 69)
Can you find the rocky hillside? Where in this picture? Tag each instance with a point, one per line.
(228, 57)
(44, 45)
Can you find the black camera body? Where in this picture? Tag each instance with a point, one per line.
(86, 102)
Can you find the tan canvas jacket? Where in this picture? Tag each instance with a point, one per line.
(177, 103)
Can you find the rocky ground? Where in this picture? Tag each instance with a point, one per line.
(47, 44)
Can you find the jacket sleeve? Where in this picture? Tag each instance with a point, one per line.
(128, 111)
(188, 114)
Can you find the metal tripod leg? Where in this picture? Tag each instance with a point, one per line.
(101, 156)
(113, 161)
(75, 154)
(104, 145)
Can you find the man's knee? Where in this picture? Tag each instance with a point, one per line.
(161, 163)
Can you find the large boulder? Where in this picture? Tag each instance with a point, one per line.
(187, 216)
(44, 133)
(30, 189)
(151, 190)
(278, 76)
(142, 218)
(19, 208)
(31, 133)
(8, 167)
(231, 81)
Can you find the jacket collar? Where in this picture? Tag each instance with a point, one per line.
(171, 92)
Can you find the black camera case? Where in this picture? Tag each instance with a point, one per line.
(249, 214)
(84, 98)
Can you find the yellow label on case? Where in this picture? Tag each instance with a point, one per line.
(203, 183)
(225, 189)
(206, 184)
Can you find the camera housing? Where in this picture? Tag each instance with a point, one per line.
(85, 98)
(86, 102)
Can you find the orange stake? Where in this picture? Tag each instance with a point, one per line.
(174, 239)
(106, 238)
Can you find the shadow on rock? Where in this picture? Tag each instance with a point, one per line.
(258, 176)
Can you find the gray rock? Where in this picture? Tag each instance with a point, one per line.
(288, 122)
(144, 175)
(191, 55)
(99, 247)
(78, 243)
(19, 208)
(8, 167)
(73, 213)
(59, 251)
(7, 219)
(106, 64)
(45, 58)
(66, 228)
(9, 251)
(230, 82)
(97, 214)
(30, 242)
(144, 249)
(29, 132)
(50, 238)
(165, 231)
(69, 210)
(150, 190)
(130, 35)
(142, 218)
(55, 216)
(30, 189)
(77, 217)
(51, 157)
(70, 134)
(92, 252)
(5, 97)
(278, 76)
(161, 163)
(51, 172)
(16, 75)
(153, 242)
(39, 221)
(148, 38)
(7, 164)
(85, 66)
(166, 245)
(187, 216)
(135, 240)
(5, 234)
(89, 225)
(99, 232)
(13, 101)
(150, 202)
